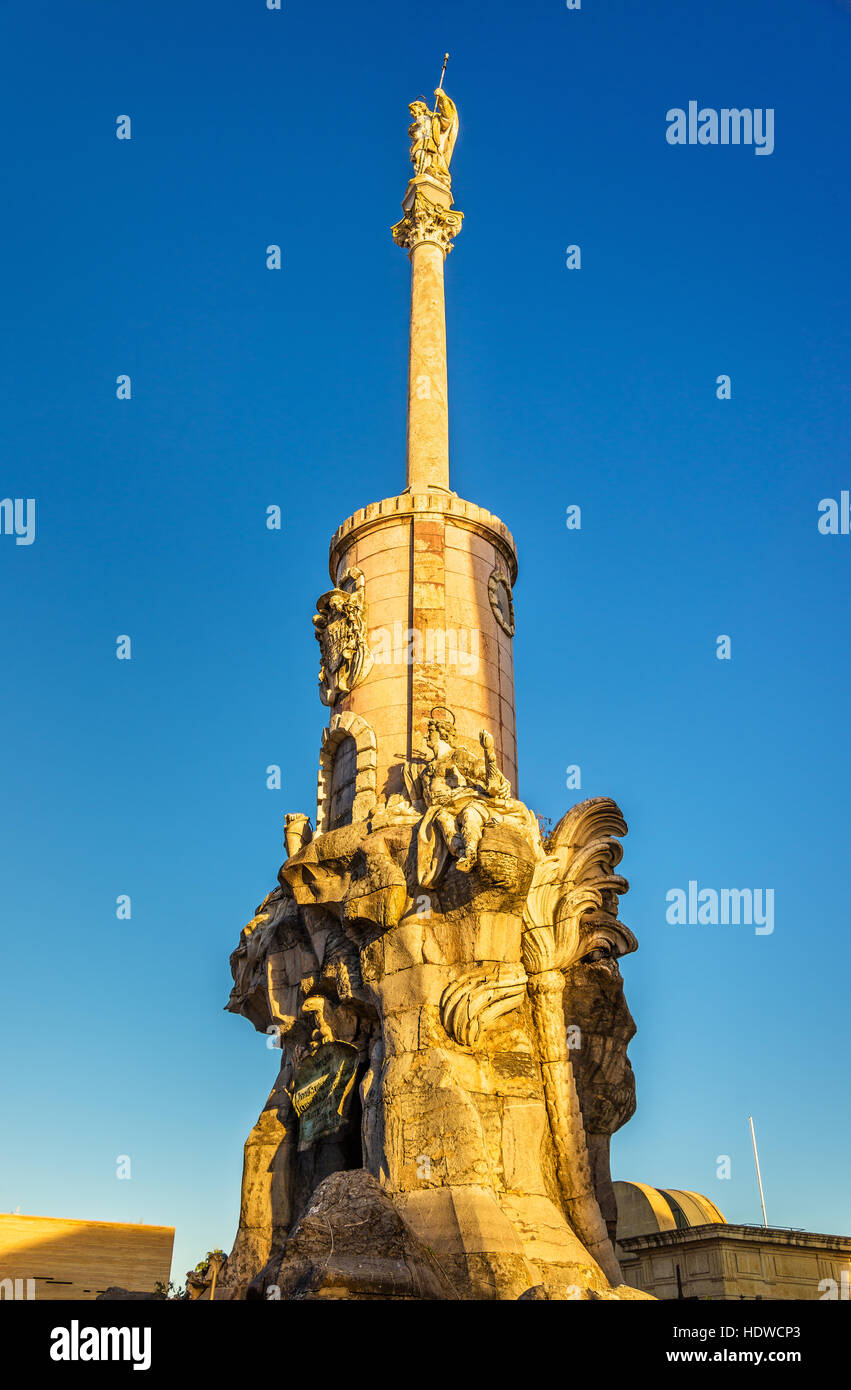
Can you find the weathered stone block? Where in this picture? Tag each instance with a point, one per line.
(403, 946)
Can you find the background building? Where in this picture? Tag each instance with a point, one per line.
(80, 1259)
(677, 1244)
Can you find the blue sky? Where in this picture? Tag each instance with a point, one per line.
(252, 387)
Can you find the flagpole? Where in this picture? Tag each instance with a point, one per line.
(758, 1174)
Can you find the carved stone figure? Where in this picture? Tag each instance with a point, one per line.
(433, 135)
(462, 794)
(340, 626)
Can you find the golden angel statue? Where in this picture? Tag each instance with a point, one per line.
(433, 135)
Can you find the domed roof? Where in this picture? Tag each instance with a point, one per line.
(643, 1210)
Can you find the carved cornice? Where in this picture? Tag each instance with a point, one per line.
(425, 505)
(427, 221)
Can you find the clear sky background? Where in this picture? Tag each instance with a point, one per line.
(253, 387)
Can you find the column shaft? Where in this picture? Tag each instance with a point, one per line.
(428, 414)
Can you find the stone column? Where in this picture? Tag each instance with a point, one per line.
(426, 231)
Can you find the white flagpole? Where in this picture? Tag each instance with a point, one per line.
(758, 1174)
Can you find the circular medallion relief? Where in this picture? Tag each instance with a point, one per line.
(499, 591)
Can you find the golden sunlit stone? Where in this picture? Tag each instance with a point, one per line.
(428, 960)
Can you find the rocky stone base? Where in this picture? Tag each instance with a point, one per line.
(352, 1243)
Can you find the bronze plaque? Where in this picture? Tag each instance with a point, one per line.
(323, 1091)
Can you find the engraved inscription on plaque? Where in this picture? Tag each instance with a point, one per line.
(323, 1092)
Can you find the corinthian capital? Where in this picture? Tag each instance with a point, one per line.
(426, 221)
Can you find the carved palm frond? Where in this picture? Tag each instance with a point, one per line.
(478, 997)
(588, 820)
(575, 880)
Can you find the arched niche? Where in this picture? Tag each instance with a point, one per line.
(346, 787)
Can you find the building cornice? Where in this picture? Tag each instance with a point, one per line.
(764, 1235)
